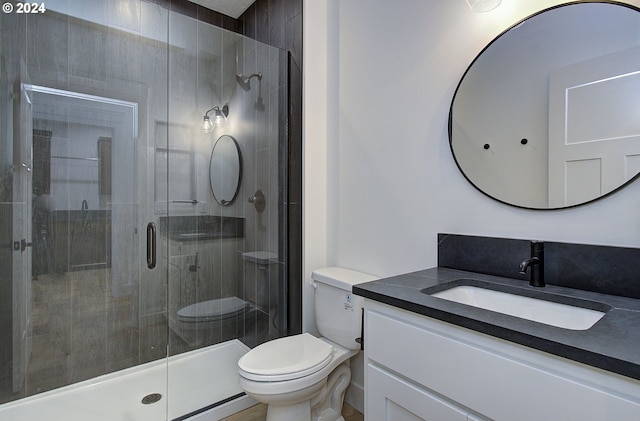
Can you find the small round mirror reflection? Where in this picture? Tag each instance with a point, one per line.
(225, 170)
(546, 116)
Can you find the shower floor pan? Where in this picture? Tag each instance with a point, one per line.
(194, 386)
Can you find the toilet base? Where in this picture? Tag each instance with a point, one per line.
(299, 411)
(321, 401)
(329, 406)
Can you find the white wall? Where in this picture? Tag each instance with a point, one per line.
(379, 178)
(316, 27)
(380, 181)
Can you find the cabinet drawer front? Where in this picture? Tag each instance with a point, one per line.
(390, 398)
(489, 376)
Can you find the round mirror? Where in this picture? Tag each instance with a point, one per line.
(546, 116)
(225, 170)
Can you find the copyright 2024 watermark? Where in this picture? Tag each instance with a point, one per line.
(23, 8)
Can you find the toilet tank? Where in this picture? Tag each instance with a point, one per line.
(338, 311)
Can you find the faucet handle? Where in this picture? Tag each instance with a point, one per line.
(258, 200)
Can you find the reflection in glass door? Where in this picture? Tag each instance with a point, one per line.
(78, 301)
(85, 219)
(102, 140)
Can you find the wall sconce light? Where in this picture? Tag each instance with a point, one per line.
(219, 118)
(483, 5)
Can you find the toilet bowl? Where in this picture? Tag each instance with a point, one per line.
(212, 310)
(303, 377)
(211, 321)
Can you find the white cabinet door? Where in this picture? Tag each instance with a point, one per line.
(391, 398)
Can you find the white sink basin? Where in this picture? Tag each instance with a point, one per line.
(547, 312)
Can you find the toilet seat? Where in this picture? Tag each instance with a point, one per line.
(212, 310)
(287, 358)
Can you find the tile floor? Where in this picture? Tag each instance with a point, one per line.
(259, 413)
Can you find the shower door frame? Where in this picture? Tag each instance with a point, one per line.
(127, 113)
(21, 243)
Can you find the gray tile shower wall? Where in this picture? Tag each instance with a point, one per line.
(279, 23)
(604, 269)
(200, 13)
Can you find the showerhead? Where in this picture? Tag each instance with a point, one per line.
(244, 81)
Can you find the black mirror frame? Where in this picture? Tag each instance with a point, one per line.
(450, 120)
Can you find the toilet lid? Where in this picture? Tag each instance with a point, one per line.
(286, 358)
(210, 310)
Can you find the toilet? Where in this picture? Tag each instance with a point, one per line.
(250, 317)
(304, 378)
(212, 321)
(210, 311)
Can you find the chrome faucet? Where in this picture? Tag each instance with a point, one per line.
(536, 265)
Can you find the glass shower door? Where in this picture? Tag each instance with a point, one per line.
(87, 260)
(101, 108)
(225, 223)
(80, 88)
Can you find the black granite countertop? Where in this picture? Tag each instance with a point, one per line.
(202, 236)
(612, 344)
(201, 227)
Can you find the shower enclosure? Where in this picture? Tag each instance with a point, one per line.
(116, 252)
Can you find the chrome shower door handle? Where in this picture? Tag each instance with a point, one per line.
(151, 245)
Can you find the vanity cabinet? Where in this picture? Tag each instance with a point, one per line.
(419, 368)
(80, 240)
(393, 398)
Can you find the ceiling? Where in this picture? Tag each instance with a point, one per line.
(233, 8)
